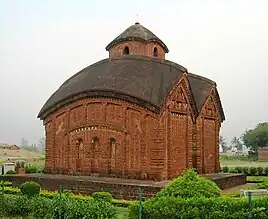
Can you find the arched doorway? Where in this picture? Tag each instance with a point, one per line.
(112, 149)
(94, 161)
(79, 150)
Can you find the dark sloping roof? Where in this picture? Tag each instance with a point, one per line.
(201, 88)
(137, 32)
(147, 79)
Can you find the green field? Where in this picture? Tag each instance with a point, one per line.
(234, 163)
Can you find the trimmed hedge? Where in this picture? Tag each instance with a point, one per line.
(250, 171)
(207, 208)
(51, 195)
(40, 207)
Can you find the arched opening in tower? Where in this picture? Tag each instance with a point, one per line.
(126, 51)
(155, 52)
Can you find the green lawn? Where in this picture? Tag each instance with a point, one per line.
(234, 163)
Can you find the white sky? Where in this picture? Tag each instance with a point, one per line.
(42, 43)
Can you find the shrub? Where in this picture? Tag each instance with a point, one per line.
(30, 188)
(14, 206)
(190, 185)
(260, 171)
(225, 169)
(210, 208)
(232, 170)
(252, 171)
(39, 207)
(31, 169)
(5, 183)
(105, 196)
(246, 170)
(263, 185)
(266, 171)
(239, 169)
(11, 172)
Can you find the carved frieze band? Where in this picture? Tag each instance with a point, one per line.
(97, 127)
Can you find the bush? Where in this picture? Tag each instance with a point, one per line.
(31, 169)
(239, 169)
(260, 171)
(225, 169)
(265, 171)
(246, 170)
(252, 171)
(39, 207)
(30, 188)
(11, 172)
(209, 208)
(105, 196)
(232, 170)
(190, 185)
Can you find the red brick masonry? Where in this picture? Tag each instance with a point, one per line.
(120, 188)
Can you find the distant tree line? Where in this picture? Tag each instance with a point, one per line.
(40, 147)
(251, 139)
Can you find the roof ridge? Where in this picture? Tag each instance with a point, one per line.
(202, 78)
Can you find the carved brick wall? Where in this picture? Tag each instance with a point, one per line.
(208, 127)
(110, 137)
(106, 137)
(137, 48)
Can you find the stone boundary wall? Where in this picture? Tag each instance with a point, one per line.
(120, 190)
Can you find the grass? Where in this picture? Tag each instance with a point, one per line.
(234, 163)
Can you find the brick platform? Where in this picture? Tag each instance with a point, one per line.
(120, 188)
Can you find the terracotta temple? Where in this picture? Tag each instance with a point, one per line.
(133, 115)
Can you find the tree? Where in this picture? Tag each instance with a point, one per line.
(223, 144)
(236, 143)
(42, 144)
(257, 137)
(24, 143)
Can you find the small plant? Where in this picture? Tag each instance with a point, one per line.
(239, 169)
(260, 171)
(18, 165)
(105, 196)
(30, 188)
(266, 171)
(31, 169)
(11, 172)
(225, 169)
(252, 171)
(246, 170)
(233, 170)
(22, 164)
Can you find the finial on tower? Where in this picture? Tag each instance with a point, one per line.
(137, 19)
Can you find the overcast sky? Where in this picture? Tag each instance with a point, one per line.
(43, 43)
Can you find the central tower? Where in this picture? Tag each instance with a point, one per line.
(137, 40)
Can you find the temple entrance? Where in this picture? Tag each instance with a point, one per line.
(112, 149)
(79, 160)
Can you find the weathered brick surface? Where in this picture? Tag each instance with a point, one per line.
(111, 137)
(137, 48)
